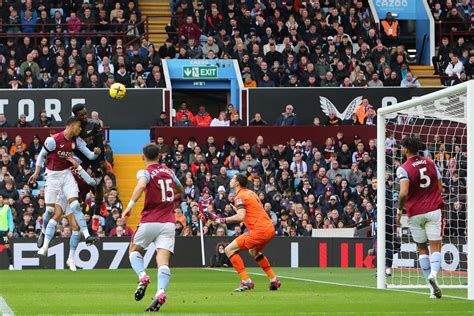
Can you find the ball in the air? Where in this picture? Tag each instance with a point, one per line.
(117, 91)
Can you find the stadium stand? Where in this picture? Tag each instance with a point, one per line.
(92, 44)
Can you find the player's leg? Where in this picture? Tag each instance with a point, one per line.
(71, 190)
(140, 241)
(5, 242)
(232, 252)
(98, 198)
(52, 189)
(50, 230)
(416, 225)
(434, 235)
(74, 240)
(263, 262)
(164, 244)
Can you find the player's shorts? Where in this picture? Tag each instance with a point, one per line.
(57, 181)
(255, 239)
(424, 227)
(3, 239)
(161, 234)
(61, 200)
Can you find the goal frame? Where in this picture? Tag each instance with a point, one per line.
(382, 113)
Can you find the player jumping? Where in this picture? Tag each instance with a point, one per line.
(157, 223)
(59, 178)
(93, 136)
(6, 229)
(260, 232)
(85, 183)
(420, 197)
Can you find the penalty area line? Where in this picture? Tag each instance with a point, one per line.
(337, 283)
(4, 308)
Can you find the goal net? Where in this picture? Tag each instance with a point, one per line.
(443, 120)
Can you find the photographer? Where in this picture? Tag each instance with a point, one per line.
(220, 258)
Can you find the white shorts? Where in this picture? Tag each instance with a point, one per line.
(59, 181)
(425, 227)
(61, 200)
(161, 234)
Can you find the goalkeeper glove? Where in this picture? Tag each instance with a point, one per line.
(216, 219)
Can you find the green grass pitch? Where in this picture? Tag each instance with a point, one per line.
(205, 291)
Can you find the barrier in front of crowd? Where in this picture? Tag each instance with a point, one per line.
(112, 253)
(141, 108)
(316, 102)
(138, 110)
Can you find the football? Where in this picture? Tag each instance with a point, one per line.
(117, 91)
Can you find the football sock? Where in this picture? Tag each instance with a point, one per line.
(136, 260)
(47, 216)
(239, 266)
(49, 232)
(425, 265)
(265, 265)
(164, 275)
(80, 219)
(435, 263)
(10, 256)
(73, 242)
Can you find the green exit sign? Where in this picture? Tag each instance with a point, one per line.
(200, 72)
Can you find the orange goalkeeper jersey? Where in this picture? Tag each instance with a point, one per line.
(255, 217)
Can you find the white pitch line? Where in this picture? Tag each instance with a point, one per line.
(339, 284)
(5, 309)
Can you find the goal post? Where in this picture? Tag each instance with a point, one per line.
(442, 119)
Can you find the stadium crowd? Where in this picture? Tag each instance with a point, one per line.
(293, 44)
(298, 43)
(454, 60)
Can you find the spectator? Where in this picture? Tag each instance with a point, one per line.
(167, 50)
(3, 121)
(371, 118)
(375, 82)
(162, 120)
(22, 122)
(390, 30)
(203, 119)
(258, 121)
(184, 110)
(30, 64)
(184, 121)
(220, 121)
(410, 81)
(454, 69)
(393, 81)
(288, 118)
(333, 120)
(189, 30)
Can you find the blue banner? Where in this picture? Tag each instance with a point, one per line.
(404, 9)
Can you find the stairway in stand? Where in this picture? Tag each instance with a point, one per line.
(425, 71)
(151, 8)
(126, 168)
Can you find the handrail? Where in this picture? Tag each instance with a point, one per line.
(451, 34)
(64, 24)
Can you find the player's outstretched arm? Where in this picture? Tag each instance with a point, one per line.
(237, 218)
(82, 146)
(49, 145)
(93, 182)
(137, 193)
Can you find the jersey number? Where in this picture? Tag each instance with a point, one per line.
(424, 178)
(167, 193)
